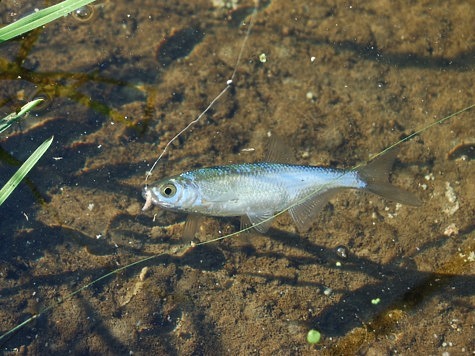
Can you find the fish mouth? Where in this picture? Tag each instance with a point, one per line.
(147, 195)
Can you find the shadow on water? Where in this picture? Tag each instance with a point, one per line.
(399, 287)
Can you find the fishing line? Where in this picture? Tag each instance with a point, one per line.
(186, 248)
(178, 250)
(229, 83)
(322, 187)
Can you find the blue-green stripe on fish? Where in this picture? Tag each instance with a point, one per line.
(257, 191)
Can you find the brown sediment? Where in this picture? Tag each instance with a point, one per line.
(378, 73)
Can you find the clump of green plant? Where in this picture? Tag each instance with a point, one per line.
(40, 18)
(13, 182)
(5, 123)
(28, 23)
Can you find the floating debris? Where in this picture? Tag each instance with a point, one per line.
(452, 198)
(84, 13)
(137, 287)
(463, 151)
(375, 301)
(313, 336)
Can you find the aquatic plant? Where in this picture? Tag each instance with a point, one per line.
(40, 18)
(30, 22)
(13, 182)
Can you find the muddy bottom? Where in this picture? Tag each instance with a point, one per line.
(339, 82)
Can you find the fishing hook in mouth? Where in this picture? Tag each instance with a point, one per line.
(147, 194)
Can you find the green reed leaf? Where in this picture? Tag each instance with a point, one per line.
(10, 119)
(13, 182)
(40, 18)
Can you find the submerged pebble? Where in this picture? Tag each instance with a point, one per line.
(342, 252)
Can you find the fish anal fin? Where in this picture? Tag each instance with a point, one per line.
(192, 225)
(304, 213)
(262, 221)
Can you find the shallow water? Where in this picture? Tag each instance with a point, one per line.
(340, 83)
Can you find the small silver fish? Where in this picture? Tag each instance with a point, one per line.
(257, 191)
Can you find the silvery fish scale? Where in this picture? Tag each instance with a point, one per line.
(261, 188)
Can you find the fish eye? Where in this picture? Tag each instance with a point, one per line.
(168, 190)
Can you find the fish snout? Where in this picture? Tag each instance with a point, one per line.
(147, 195)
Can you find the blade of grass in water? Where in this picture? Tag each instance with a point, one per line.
(23, 170)
(40, 18)
(10, 119)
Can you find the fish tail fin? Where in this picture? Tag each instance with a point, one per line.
(375, 175)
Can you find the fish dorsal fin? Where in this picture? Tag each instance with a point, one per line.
(261, 221)
(304, 213)
(192, 225)
(278, 151)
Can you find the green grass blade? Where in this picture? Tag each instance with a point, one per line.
(10, 119)
(40, 18)
(23, 170)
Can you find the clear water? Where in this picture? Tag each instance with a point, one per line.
(340, 82)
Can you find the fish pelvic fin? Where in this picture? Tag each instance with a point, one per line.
(375, 175)
(261, 222)
(192, 226)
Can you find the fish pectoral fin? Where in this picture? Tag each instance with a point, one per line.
(304, 213)
(261, 221)
(192, 225)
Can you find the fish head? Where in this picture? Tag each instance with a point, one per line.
(177, 194)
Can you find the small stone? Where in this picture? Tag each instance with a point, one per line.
(451, 230)
(342, 252)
